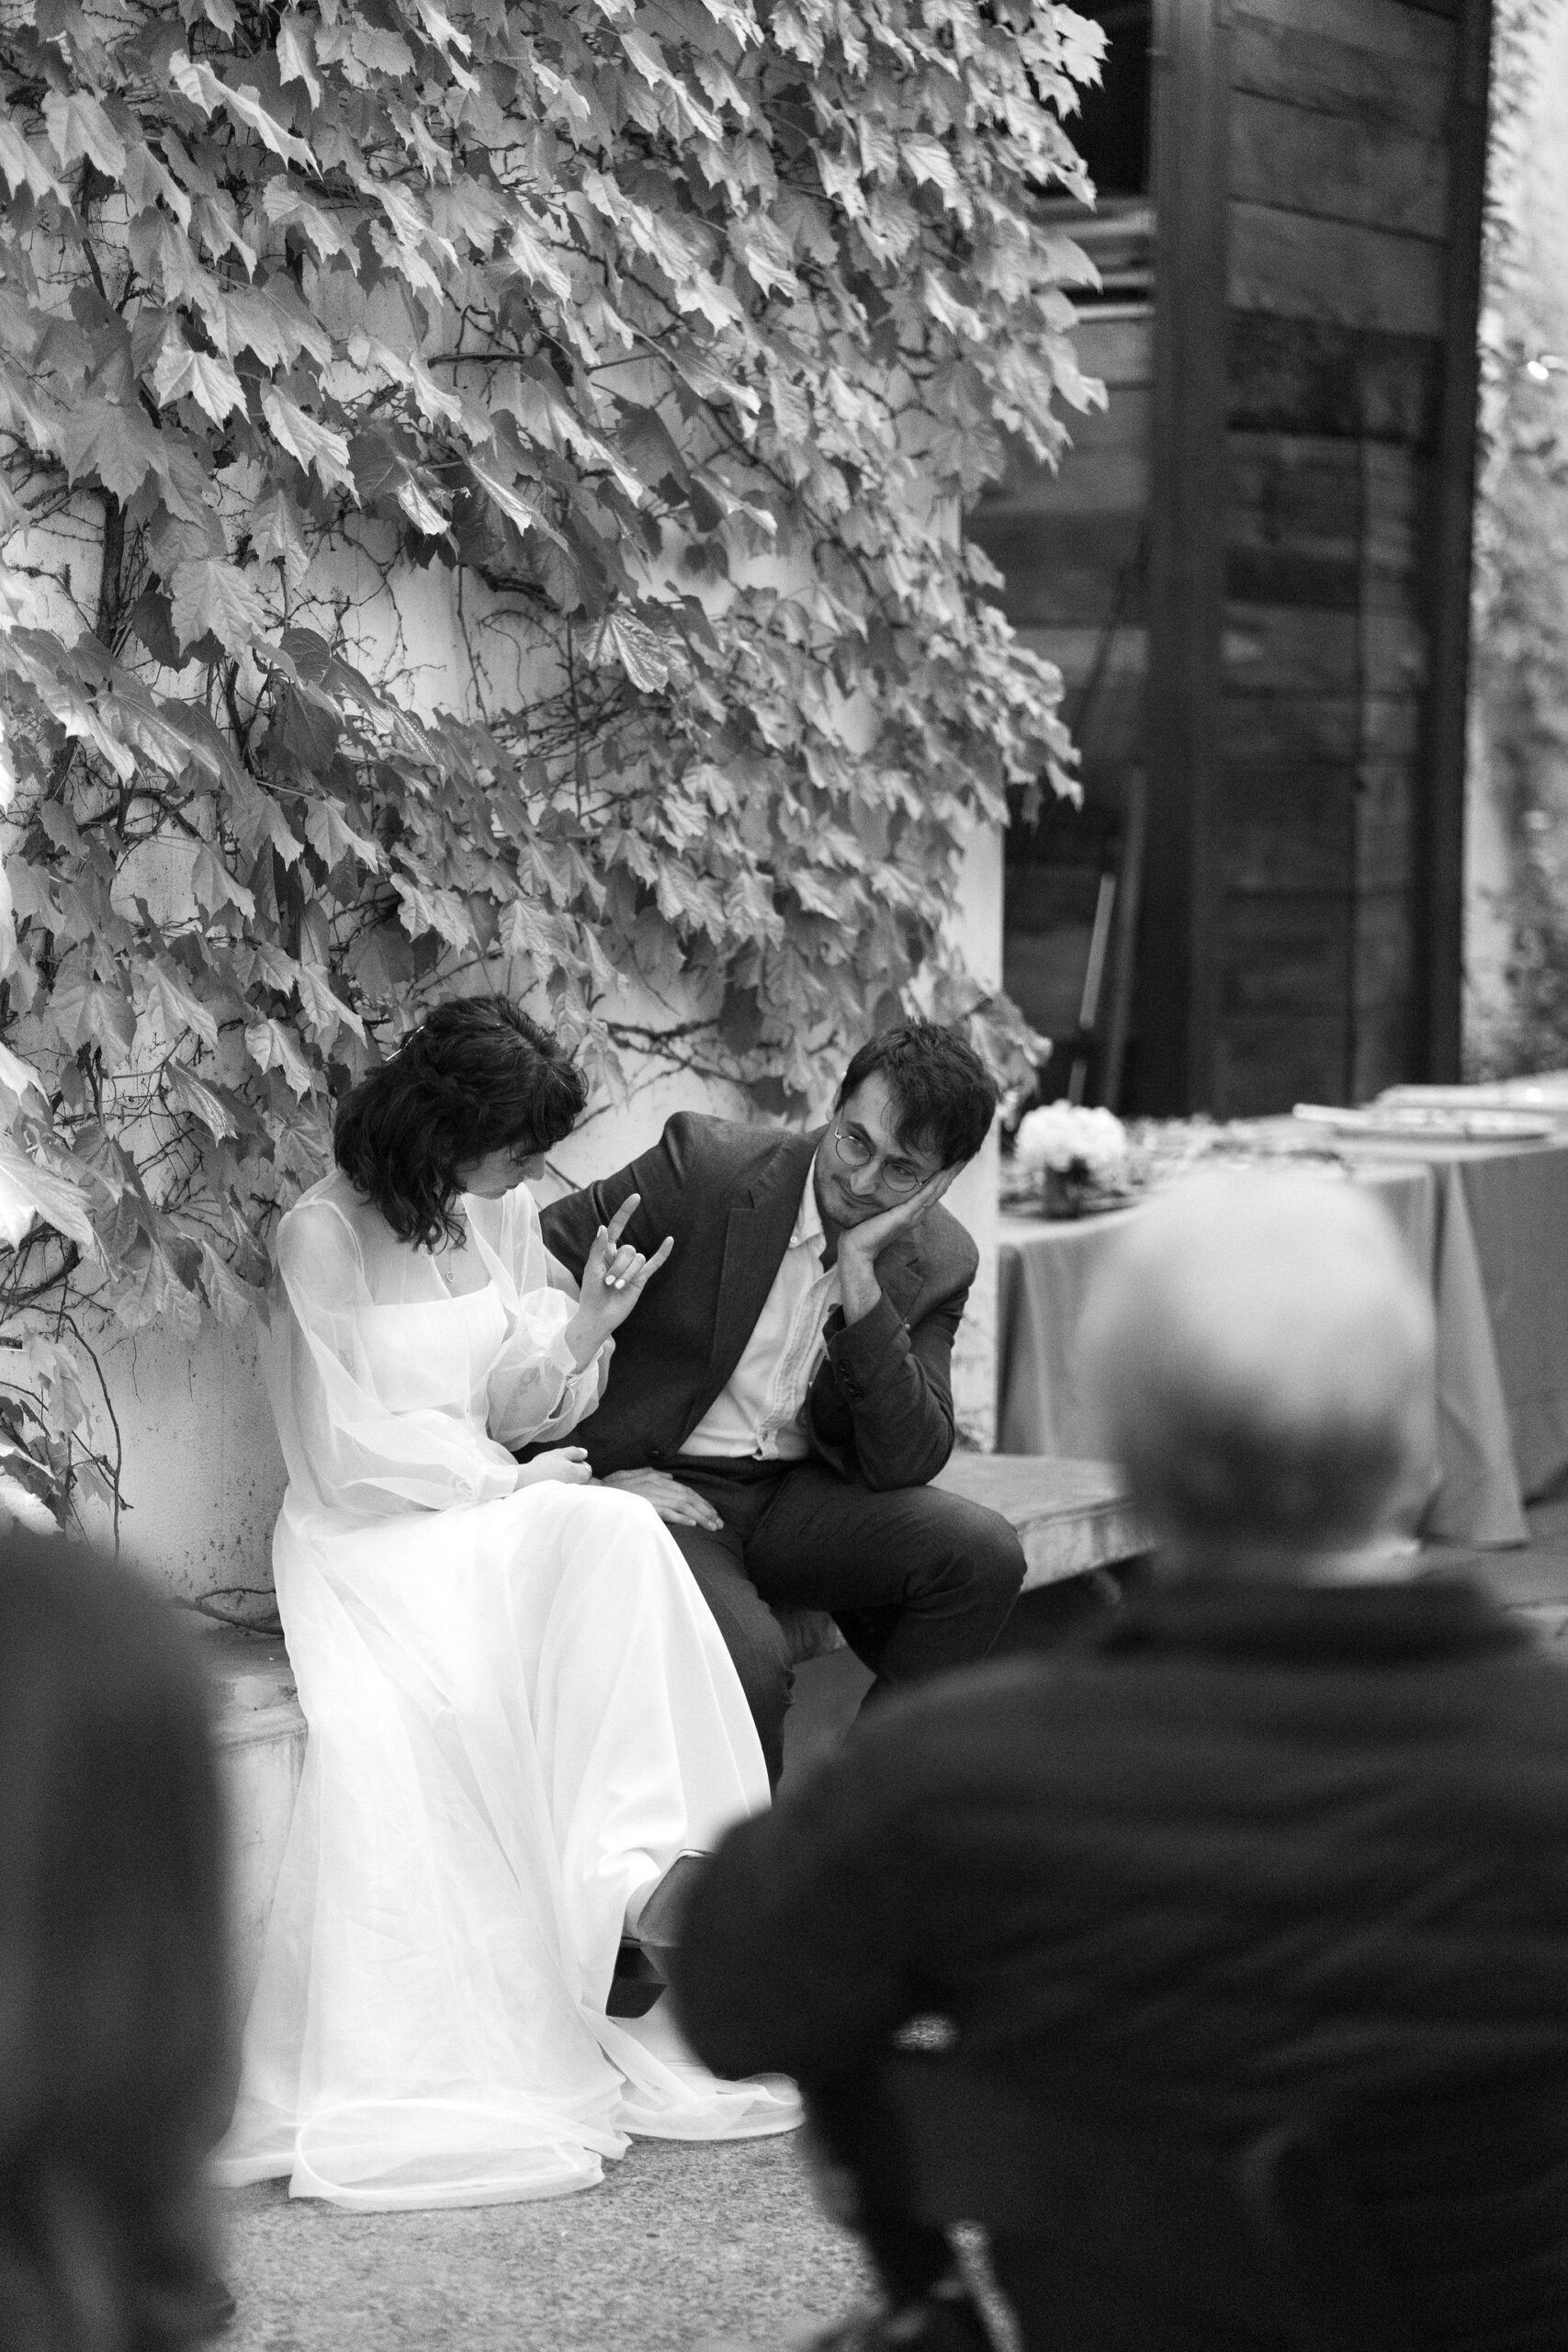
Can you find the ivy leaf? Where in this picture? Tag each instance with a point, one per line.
(632, 644)
(78, 127)
(215, 887)
(180, 1010)
(272, 1046)
(28, 1191)
(210, 594)
(201, 1101)
(294, 62)
(88, 1014)
(201, 375)
(24, 166)
(315, 445)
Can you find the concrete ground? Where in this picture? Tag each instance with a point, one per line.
(709, 2248)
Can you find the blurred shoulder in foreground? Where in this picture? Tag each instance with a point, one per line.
(116, 2042)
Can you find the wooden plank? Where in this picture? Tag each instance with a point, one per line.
(1119, 350)
(1447, 572)
(1089, 481)
(1385, 825)
(1311, 376)
(1115, 729)
(1292, 520)
(1286, 828)
(1384, 948)
(1393, 653)
(1063, 569)
(1176, 981)
(1076, 651)
(1359, 84)
(1338, 271)
(1300, 161)
(1300, 730)
(1415, 36)
(1267, 1062)
(1124, 423)
(1280, 649)
(1381, 1047)
(1286, 952)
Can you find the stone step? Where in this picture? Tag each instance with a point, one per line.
(1073, 1518)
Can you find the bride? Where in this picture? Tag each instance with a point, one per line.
(521, 1713)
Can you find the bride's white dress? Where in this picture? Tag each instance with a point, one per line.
(519, 1713)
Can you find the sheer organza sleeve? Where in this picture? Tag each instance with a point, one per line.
(537, 1394)
(342, 1369)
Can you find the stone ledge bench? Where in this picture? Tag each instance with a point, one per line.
(1073, 1517)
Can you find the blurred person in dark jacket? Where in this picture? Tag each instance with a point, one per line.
(1288, 1839)
(116, 2042)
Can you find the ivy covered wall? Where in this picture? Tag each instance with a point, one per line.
(480, 496)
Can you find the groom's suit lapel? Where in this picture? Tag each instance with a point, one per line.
(757, 1232)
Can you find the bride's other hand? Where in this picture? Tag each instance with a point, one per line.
(612, 1282)
(566, 1465)
(677, 1506)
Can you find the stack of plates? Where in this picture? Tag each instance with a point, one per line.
(1458, 1118)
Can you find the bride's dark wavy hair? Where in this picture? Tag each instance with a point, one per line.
(477, 1076)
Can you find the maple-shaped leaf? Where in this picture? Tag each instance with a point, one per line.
(181, 1010)
(78, 127)
(87, 1012)
(296, 61)
(202, 1101)
(634, 645)
(28, 1191)
(277, 536)
(211, 597)
(117, 442)
(24, 166)
(315, 445)
(272, 1046)
(323, 1009)
(201, 86)
(200, 375)
(215, 887)
(285, 203)
(332, 839)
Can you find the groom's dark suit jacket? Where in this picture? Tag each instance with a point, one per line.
(880, 1405)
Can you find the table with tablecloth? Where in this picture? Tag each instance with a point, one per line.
(1486, 1223)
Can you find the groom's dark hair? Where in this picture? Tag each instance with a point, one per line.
(477, 1076)
(945, 1098)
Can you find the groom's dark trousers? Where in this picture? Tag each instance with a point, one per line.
(918, 1579)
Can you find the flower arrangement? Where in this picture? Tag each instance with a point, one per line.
(1066, 1139)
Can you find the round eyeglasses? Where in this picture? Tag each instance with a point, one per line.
(899, 1177)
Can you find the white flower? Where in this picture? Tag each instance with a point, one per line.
(1065, 1136)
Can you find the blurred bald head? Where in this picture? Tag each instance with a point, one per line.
(1261, 1354)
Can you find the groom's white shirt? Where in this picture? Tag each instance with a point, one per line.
(759, 1414)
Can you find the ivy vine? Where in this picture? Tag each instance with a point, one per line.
(480, 485)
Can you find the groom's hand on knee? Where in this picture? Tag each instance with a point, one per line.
(677, 1506)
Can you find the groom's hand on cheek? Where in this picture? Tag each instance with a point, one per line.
(861, 1245)
(677, 1506)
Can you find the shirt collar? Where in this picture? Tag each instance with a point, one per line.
(808, 1226)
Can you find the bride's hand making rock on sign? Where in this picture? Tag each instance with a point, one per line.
(612, 1282)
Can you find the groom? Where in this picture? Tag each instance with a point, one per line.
(783, 1394)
